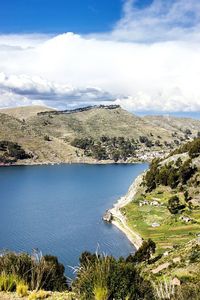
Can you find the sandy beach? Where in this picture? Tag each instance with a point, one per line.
(119, 220)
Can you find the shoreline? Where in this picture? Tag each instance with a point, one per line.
(72, 162)
(119, 220)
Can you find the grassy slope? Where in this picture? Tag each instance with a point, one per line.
(173, 123)
(33, 141)
(178, 264)
(179, 241)
(98, 122)
(25, 112)
(24, 126)
(172, 230)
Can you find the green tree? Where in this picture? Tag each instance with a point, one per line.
(194, 150)
(174, 205)
(144, 253)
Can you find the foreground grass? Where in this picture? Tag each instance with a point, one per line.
(33, 296)
(172, 231)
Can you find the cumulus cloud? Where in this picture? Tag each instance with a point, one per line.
(150, 61)
(161, 21)
(36, 88)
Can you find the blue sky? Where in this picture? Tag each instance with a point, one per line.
(81, 16)
(143, 55)
(56, 16)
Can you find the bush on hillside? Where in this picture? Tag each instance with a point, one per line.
(193, 148)
(110, 278)
(174, 205)
(144, 253)
(114, 148)
(169, 174)
(8, 282)
(12, 152)
(37, 271)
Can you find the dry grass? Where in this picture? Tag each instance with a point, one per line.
(24, 126)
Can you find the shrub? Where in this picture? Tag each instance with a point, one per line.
(114, 148)
(37, 271)
(47, 138)
(104, 277)
(195, 254)
(143, 253)
(188, 291)
(194, 150)
(100, 293)
(186, 171)
(41, 294)
(143, 139)
(8, 282)
(32, 296)
(22, 289)
(19, 264)
(53, 278)
(174, 205)
(92, 276)
(12, 152)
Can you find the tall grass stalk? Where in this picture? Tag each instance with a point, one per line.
(164, 290)
(95, 275)
(100, 293)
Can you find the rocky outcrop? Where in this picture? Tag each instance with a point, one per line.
(107, 217)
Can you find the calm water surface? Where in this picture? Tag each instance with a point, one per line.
(58, 209)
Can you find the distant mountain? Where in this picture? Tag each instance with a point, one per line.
(106, 133)
(173, 124)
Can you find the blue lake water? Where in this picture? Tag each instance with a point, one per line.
(58, 209)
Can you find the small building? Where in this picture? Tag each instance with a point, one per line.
(142, 203)
(185, 219)
(175, 281)
(154, 203)
(155, 225)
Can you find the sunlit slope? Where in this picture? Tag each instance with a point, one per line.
(48, 136)
(96, 123)
(24, 112)
(33, 141)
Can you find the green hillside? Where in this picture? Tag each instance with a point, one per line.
(167, 205)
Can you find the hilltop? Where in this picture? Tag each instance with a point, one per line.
(91, 134)
(25, 112)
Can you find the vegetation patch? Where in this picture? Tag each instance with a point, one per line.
(116, 148)
(11, 152)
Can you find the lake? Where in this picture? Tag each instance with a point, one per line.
(59, 209)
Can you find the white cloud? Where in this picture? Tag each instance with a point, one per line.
(9, 99)
(161, 21)
(33, 89)
(147, 62)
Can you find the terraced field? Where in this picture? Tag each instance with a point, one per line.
(169, 230)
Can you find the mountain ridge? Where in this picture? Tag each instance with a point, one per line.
(49, 134)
